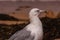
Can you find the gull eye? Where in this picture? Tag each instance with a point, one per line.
(37, 10)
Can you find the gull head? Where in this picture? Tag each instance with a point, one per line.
(35, 12)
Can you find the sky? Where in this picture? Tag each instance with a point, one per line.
(29, 0)
(11, 6)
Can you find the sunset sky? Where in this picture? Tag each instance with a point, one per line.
(12, 6)
(29, 0)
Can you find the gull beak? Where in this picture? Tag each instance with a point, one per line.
(43, 11)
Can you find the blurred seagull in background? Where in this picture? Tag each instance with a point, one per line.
(33, 31)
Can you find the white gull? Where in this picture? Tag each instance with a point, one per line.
(33, 31)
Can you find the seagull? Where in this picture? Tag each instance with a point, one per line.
(33, 31)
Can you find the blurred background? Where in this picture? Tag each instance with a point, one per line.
(29, 0)
(14, 17)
